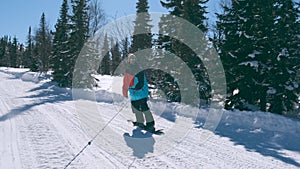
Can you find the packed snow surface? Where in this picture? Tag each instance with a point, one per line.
(44, 126)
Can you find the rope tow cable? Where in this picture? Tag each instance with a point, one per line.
(90, 142)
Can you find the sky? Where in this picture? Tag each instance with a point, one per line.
(18, 15)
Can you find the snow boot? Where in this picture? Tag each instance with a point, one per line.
(140, 125)
(150, 127)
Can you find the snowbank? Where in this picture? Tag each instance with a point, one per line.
(30, 77)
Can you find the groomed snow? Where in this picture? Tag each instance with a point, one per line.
(42, 126)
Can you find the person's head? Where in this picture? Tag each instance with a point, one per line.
(131, 58)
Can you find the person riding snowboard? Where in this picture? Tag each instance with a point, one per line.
(135, 82)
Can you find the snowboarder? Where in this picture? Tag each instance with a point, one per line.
(135, 82)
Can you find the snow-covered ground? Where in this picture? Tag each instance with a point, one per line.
(43, 126)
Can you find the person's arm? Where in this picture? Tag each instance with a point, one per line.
(140, 83)
(127, 82)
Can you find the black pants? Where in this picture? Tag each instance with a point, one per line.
(140, 105)
(141, 110)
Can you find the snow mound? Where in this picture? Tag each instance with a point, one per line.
(30, 77)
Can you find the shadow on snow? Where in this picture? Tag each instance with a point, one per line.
(140, 143)
(265, 133)
(268, 137)
(46, 93)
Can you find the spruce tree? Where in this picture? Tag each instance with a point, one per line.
(78, 36)
(9, 52)
(5, 49)
(35, 66)
(141, 41)
(13, 53)
(28, 54)
(256, 56)
(125, 48)
(30, 58)
(283, 70)
(2, 50)
(192, 11)
(104, 67)
(234, 39)
(116, 57)
(21, 51)
(61, 51)
(85, 66)
(43, 44)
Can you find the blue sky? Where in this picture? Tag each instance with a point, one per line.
(18, 15)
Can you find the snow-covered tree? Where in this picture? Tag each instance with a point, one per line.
(282, 92)
(194, 12)
(255, 55)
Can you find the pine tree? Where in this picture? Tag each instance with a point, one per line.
(30, 53)
(233, 38)
(192, 11)
(28, 49)
(104, 67)
(283, 72)
(4, 51)
(78, 36)
(85, 66)
(116, 57)
(13, 53)
(21, 51)
(35, 65)
(61, 52)
(255, 56)
(125, 48)
(141, 41)
(43, 44)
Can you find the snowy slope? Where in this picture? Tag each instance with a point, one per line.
(42, 126)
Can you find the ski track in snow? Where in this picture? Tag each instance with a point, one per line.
(39, 128)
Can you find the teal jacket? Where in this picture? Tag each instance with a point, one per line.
(135, 83)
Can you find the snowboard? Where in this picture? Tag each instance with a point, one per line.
(156, 132)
